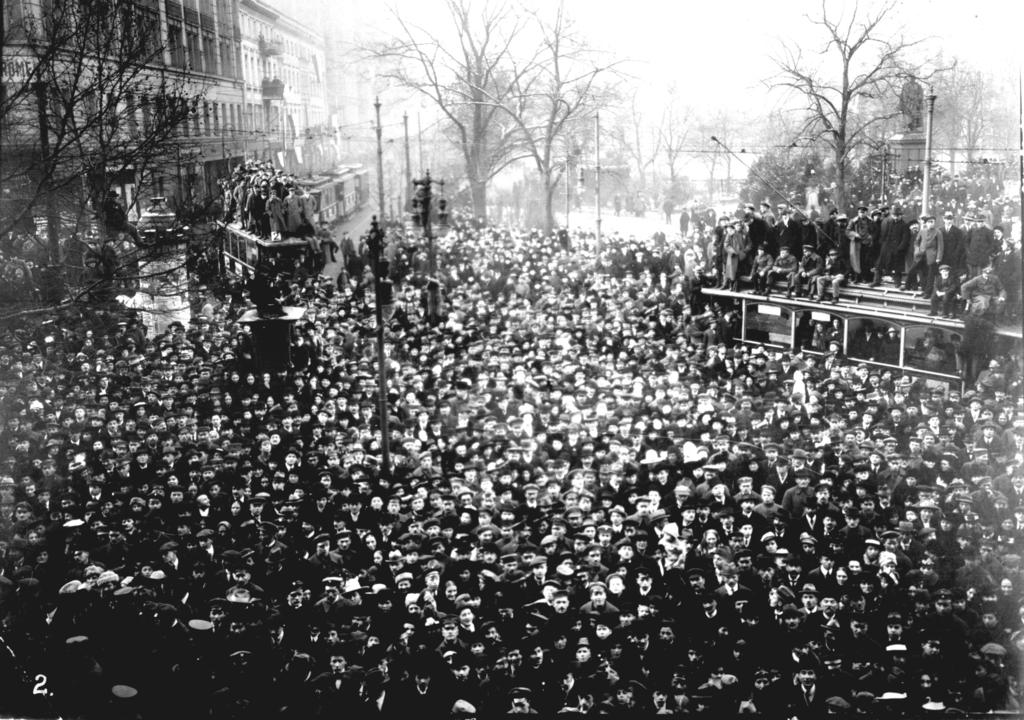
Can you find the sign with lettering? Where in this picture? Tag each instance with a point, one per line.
(18, 69)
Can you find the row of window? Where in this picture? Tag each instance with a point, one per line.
(215, 119)
(200, 51)
(253, 28)
(256, 67)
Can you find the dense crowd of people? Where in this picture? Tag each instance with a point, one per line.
(597, 503)
(937, 258)
(268, 202)
(976, 189)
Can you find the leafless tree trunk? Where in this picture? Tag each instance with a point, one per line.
(639, 138)
(851, 84)
(469, 78)
(555, 96)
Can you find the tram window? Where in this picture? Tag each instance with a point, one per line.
(932, 349)
(815, 330)
(874, 340)
(768, 324)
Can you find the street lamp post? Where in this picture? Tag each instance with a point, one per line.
(421, 209)
(380, 162)
(925, 191)
(568, 187)
(885, 168)
(406, 197)
(597, 178)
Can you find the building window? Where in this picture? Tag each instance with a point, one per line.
(209, 53)
(195, 57)
(226, 66)
(174, 45)
(147, 120)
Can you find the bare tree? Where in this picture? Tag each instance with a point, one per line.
(851, 83)
(89, 98)
(470, 80)
(966, 109)
(554, 96)
(639, 138)
(720, 124)
(673, 132)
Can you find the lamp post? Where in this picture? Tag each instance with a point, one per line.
(383, 297)
(421, 217)
(380, 162)
(568, 188)
(597, 176)
(406, 198)
(925, 191)
(885, 169)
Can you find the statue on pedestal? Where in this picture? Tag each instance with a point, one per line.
(912, 104)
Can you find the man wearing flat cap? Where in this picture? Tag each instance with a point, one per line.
(862, 246)
(927, 254)
(945, 292)
(803, 278)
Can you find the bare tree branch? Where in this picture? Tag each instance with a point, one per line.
(461, 79)
(849, 87)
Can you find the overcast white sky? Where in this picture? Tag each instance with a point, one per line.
(720, 49)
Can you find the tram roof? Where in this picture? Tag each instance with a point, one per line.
(893, 305)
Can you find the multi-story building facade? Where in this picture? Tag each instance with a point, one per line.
(284, 80)
(253, 78)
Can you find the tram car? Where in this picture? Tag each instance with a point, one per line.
(883, 328)
(339, 196)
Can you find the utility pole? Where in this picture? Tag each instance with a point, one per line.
(568, 187)
(1020, 177)
(3, 86)
(419, 139)
(380, 162)
(597, 181)
(927, 155)
(885, 164)
(407, 199)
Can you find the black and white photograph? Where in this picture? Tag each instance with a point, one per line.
(468, 358)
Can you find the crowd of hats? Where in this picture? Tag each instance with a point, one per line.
(249, 179)
(257, 174)
(964, 197)
(975, 191)
(588, 504)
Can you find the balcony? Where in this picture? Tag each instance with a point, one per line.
(273, 89)
(270, 47)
